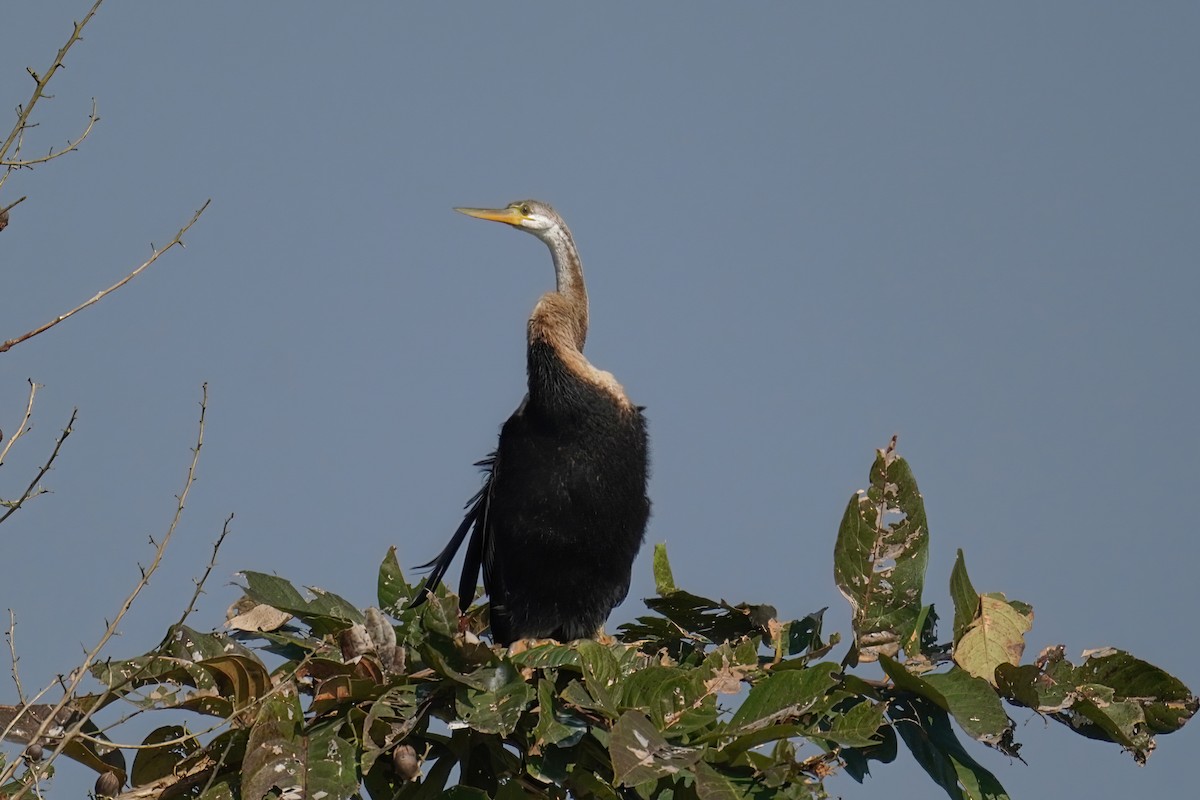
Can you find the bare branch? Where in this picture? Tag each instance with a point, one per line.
(33, 486)
(71, 684)
(13, 204)
(4, 211)
(23, 427)
(212, 563)
(71, 147)
(176, 241)
(43, 80)
(12, 650)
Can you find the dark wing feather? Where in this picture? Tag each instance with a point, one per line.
(474, 521)
(479, 549)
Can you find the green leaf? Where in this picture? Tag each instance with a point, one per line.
(1168, 704)
(328, 604)
(995, 637)
(274, 591)
(880, 557)
(664, 581)
(439, 615)
(712, 785)
(600, 673)
(556, 727)
(976, 708)
(584, 782)
(1112, 696)
(800, 635)
(184, 643)
(174, 680)
(973, 702)
(275, 753)
(640, 753)
(546, 656)
(325, 613)
(676, 699)
(227, 749)
(332, 771)
(923, 636)
(280, 756)
(966, 599)
(857, 727)
(389, 719)
(857, 759)
(158, 759)
(784, 696)
(496, 711)
(393, 591)
(926, 730)
(701, 617)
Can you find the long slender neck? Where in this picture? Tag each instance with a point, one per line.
(560, 320)
(561, 316)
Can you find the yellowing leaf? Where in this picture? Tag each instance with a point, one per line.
(995, 637)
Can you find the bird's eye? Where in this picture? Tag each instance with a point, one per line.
(525, 209)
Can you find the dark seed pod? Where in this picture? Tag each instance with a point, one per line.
(107, 785)
(34, 752)
(405, 762)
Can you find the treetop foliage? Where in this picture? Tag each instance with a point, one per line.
(698, 698)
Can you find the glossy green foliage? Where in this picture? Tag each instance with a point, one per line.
(696, 699)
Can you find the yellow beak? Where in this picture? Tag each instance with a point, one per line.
(510, 216)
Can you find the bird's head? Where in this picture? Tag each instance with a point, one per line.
(532, 216)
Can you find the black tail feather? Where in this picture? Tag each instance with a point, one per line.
(474, 522)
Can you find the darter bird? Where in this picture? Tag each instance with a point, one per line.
(563, 507)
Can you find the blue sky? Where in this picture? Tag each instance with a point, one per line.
(805, 228)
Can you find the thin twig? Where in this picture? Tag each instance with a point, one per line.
(77, 675)
(12, 650)
(191, 607)
(8, 733)
(212, 563)
(24, 426)
(14, 204)
(71, 147)
(44, 79)
(29, 492)
(177, 240)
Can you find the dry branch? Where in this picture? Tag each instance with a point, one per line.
(32, 489)
(23, 427)
(39, 90)
(71, 147)
(71, 682)
(176, 240)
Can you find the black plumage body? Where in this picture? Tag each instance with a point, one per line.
(563, 509)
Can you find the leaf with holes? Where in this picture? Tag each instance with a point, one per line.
(880, 557)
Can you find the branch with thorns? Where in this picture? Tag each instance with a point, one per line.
(72, 146)
(51, 715)
(24, 427)
(16, 136)
(35, 487)
(177, 240)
